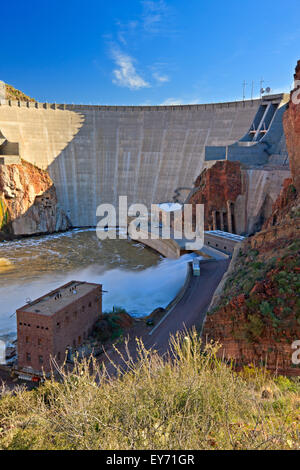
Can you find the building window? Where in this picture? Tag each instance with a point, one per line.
(28, 357)
(67, 320)
(27, 339)
(74, 343)
(83, 308)
(58, 324)
(79, 339)
(90, 304)
(20, 323)
(58, 356)
(41, 359)
(40, 341)
(75, 314)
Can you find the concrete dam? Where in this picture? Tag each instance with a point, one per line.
(96, 153)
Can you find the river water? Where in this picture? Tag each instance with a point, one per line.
(135, 277)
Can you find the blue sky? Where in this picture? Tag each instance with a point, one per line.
(136, 52)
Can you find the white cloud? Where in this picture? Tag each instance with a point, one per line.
(152, 16)
(126, 75)
(160, 78)
(171, 101)
(178, 101)
(126, 30)
(157, 17)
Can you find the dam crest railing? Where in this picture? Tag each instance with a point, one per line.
(179, 107)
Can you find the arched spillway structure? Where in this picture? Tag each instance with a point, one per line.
(264, 142)
(96, 153)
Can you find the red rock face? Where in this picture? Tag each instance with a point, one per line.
(283, 205)
(30, 200)
(291, 123)
(217, 185)
(260, 325)
(257, 317)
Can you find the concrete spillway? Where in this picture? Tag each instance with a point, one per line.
(96, 153)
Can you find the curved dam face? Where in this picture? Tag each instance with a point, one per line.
(96, 153)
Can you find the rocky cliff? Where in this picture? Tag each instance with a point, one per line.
(237, 198)
(255, 314)
(214, 187)
(291, 124)
(28, 202)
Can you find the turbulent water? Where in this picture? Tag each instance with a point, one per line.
(135, 277)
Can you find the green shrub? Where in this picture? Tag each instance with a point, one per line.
(188, 400)
(265, 308)
(254, 327)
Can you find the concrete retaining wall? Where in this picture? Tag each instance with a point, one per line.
(167, 248)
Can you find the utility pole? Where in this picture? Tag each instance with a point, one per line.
(244, 89)
(261, 87)
(252, 89)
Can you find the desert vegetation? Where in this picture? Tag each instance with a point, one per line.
(266, 289)
(188, 400)
(13, 94)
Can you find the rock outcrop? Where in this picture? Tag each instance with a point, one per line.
(291, 124)
(235, 198)
(28, 202)
(256, 314)
(216, 186)
(13, 94)
(256, 317)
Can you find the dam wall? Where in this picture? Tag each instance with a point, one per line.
(96, 153)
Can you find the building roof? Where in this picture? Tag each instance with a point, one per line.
(60, 298)
(227, 235)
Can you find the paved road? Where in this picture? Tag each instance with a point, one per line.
(191, 309)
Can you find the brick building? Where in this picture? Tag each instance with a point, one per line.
(55, 322)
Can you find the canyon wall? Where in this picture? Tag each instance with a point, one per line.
(291, 123)
(28, 202)
(237, 199)
(96, 153)
(255, 313)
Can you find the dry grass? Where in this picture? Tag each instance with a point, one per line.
(193, 401)
(13, 94)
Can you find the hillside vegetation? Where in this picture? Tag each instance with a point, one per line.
(194, 401)
(256, 317)
(14, 94)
